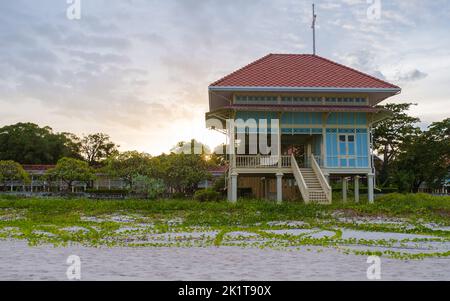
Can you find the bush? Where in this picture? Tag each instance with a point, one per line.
(107, 191)
(207, 195)
(219, 185)
(148, 187)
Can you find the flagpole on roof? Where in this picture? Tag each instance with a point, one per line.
(313, 26)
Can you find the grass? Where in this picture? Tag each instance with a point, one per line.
(245, 212)
(47, 221)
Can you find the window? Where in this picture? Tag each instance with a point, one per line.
(347, 154)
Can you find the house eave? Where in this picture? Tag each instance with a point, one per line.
(302, 89)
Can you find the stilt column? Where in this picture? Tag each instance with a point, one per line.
(356, 188)
(344, 189)
(234, 184)
(370, 185)
(279, 188)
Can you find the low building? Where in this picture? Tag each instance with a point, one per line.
(323, 114)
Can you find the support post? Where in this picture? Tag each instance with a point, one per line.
(344, 189)
(279, 142)
(370, 184)
(327, 177)
(279, 188)
(231, 143)
(234, 185)
(356, 189)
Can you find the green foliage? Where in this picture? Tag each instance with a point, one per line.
(12, 171)
(390, 134)
(363, 189)
(96, 148)
(70, 170)
(151, 188)
(107, 191)
(244, 212)
(207, 195)
(190, 148)
(424, 158)
(219, 185)
(27, 143)
(418, 206)
(128, 165)
(182, 172)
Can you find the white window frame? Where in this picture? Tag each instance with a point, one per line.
(347, 157)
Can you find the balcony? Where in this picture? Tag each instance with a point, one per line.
(261, 162)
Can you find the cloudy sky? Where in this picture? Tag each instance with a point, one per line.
(139, 69)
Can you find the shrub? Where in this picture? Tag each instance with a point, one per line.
(207, 195)
(219, 185)
(107, 191)
(149, 187)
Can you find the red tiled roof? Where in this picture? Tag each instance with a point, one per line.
(300, 70)
(218, 169)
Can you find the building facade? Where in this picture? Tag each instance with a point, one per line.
(316, 117)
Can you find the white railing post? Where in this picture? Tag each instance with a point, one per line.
(300, 180)
(323, 181)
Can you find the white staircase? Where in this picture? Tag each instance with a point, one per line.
(312, 183)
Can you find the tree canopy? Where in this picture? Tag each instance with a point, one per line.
(390, 134)
(128, 165)
(96, 148)
(424, 158)
(183, 172)
(12, 171)
(71, 170)
(27, 143)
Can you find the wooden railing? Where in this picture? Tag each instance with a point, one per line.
(300, 180)
(259, 161)
(323, 181)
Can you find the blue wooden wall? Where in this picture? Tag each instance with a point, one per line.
(353, 152)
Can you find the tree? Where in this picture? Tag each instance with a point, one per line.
(150, 187)
(27, 143)
(183, 172)
(96, 148)
(438, 141)
(389, 135)
(424, 158)
(191, 147)
(128, 165)
(71, 170)
(12, 171)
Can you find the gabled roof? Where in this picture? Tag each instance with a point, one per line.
(288, 71)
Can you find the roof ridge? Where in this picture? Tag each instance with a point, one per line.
(355, 70)
(312, 57)
(240, 69)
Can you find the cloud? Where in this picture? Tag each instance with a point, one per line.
(128, 67)
(411, 75)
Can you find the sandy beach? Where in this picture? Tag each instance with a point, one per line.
(18, 261)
